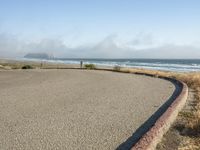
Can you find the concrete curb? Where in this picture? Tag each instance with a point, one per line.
(152, 137)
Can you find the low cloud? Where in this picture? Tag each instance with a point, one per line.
(10, 46)
(169, 51)
(51, 46)
(142, 39)
(110, 47)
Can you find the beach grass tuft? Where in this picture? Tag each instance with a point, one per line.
(27, 67)
(117, 68)
(90, 66)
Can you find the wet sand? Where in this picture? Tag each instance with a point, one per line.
(75, 109)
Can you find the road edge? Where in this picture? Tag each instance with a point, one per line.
(152, 137)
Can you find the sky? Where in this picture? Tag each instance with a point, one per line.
(100, 29)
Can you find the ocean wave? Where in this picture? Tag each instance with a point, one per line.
(156, 65)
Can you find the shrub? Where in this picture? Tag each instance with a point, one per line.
(27, 67)
(90, 66)
(117, 68)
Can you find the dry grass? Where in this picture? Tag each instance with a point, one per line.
(89, 66)
(13, 64)
(192, 118)
(18, 65)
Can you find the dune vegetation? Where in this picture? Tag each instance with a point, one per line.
(191, 119)
(89, 66)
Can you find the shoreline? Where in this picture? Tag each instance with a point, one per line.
(174, 65)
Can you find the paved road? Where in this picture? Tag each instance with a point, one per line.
(75, 109)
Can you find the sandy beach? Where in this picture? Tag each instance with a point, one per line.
(75, 109)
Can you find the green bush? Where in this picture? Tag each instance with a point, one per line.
(117, 68)
(27, 67)
(90, 66)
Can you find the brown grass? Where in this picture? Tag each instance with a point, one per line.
(12, 64)
(192, 118)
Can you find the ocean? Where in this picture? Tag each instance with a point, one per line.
(178, 65)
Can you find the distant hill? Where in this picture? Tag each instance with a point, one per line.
(38, 56)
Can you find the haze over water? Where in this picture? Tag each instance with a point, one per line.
(101, 29)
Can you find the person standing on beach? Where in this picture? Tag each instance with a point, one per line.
(81, 64)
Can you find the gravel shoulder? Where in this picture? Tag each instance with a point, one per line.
(75, 109)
